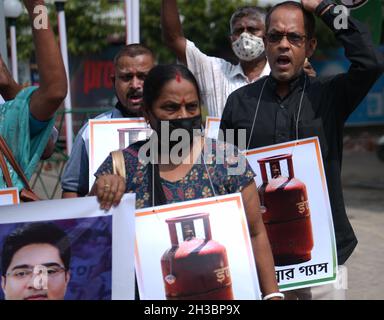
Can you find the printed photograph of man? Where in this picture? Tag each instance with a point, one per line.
(35, 261)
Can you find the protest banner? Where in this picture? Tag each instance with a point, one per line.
(67, 249)
(197, 249)
(106, 136)
(212, 126)
(297, 213)
(9, 196)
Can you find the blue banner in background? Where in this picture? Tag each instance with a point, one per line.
(371, 109)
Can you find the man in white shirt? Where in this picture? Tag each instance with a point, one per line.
(218, 78)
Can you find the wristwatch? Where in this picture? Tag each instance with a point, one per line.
(322, 6)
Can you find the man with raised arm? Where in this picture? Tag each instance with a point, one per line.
(218, 78)
(289, 105)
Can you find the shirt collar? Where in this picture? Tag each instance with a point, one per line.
(124, 113)
(238, 71)
(294, 83)
(266, 71)
(116, 113)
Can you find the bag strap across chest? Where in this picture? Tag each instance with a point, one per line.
(6, 153)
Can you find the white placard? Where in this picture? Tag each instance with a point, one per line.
(228, 228)
(101, 247)
(106, 136)
(212, 127)
(9, 196)
(308, 170)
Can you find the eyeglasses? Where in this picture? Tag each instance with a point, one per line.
(294, 38)
(27, 272)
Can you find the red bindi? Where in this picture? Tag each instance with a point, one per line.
(178, 77)
(182, 101)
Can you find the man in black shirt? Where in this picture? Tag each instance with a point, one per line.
(293, 105)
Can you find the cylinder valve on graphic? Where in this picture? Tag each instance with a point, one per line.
(287, 217)
(196, 268)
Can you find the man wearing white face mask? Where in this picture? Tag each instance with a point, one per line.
(218, 78)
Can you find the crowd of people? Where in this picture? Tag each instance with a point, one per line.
(273, 93)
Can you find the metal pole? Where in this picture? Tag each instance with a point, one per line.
(127, 10)
(132, 21)
(14, 65)
(3, 39)
(135, 27)
(64, 53)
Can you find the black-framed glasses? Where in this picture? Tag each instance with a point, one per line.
(26, 272)
(294, 38)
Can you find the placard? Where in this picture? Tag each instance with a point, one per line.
(9, 196)
(67, 249)
(212, 127)
(197, 249)
(106, 136)
(293, 189)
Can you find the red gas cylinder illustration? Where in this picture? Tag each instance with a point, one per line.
(195, 269)
(287, 218)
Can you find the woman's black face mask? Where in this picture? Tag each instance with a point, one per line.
(184, 129)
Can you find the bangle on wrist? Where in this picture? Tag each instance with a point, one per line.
(274, 295)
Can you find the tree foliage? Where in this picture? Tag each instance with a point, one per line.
(88, 27)
(206, 22)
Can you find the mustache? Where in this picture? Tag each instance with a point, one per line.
(134, 92)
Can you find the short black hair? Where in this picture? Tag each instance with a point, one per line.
(247, 11)
(133, 50)
(309, 19)
(162, 74)
(35, 233)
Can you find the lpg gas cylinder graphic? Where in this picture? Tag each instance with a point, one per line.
(195, 269)
(287, 217)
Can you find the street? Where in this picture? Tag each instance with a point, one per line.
(363, 181)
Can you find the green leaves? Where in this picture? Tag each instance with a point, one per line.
(89, 25)
(92, 24)
(205, 22)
